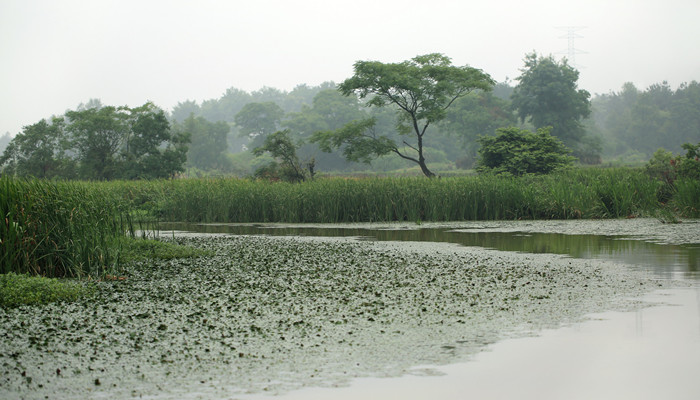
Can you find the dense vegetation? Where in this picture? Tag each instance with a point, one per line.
(98, 142)
(620, 128)
(575, 193)
(58, 228)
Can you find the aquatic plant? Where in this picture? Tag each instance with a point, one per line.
(57, 229)
(576, 193)
(20, 289)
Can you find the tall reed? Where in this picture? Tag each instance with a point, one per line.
(687, 197)
(578, 193)
(57, 229)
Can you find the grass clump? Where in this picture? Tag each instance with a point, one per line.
(150, 249)
(58, 229)
(22, 289)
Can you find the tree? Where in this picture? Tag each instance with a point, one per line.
(547, 95)
(257, 120)
(101, 142)
(519, 152)
(5, 140)
(208, 143)
(39, 151)
(476, 114)
(329, 111)
(420, 90)
(97, 135)
(151, 150)
(287, 165)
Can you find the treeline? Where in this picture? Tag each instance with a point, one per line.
(217, 136)
(634, 124)
(98, 142)
(306, 110)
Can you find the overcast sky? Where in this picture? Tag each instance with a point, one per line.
(55, 54)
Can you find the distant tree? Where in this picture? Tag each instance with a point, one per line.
(329, 110)
(303, 95)
(208, 146)
(184, 109)
(151, 149)
(478, 113)
(257, 120)
(286, 165)
(420, 90)
(99, 143)
(97, 135)
(640, 122)
(39, 151)
(547, 94)
(5, 140)
(520, 152)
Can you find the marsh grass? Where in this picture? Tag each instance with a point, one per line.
(574, 193)
(58, 229)
(686, 198)
(132, 249)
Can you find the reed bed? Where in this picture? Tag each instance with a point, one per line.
(58, 229)
(577, 193)
(686, 198)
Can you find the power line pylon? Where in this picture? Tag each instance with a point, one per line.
(571, 51)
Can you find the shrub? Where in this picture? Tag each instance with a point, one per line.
(520, 152)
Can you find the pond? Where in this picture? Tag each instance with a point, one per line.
(648, 353)
(667, 260)
(559, 309)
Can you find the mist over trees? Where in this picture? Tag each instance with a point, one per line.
(97, 142)
(218, 136)
(635, 123)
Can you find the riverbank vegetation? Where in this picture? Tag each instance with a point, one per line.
(566, 194)
(72, 230)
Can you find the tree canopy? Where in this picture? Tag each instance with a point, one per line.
(420, 90)
(100, 143)
(547, 94)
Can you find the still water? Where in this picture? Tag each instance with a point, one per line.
(669, 261)
(650, 353)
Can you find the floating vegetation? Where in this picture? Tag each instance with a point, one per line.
(274, 314)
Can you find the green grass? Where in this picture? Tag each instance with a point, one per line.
(58, 229)
(575, 193)
(686, 198)
(21, 289)
(148, 249)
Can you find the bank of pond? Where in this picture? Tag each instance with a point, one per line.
(77, 229)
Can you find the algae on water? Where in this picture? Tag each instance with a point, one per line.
(277, 313)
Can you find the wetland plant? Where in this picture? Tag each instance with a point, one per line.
(568, 194)
(57, 229)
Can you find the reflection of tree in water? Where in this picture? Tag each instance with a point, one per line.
(662, 259)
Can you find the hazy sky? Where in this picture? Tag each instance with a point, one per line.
(55, 54)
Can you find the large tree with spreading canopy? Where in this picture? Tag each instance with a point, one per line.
(420, 90)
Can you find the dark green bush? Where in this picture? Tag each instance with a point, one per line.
(519, 152)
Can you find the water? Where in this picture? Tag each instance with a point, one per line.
(664, 260)
(650, 353)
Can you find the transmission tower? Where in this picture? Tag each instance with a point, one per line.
(571, 51)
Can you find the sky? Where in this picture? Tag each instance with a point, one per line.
(56, 54)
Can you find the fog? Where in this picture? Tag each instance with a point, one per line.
(56, 55)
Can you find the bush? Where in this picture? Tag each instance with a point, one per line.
(520, 152)
(21, 289)
(670, 170)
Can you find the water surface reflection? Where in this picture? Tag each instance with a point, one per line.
(664, 260)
